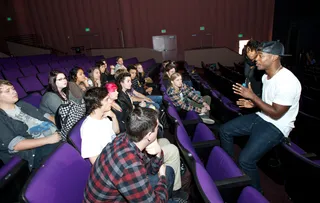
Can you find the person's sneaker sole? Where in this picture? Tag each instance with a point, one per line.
(208, 121)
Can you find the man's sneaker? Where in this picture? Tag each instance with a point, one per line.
(208, 121)
(180, 196)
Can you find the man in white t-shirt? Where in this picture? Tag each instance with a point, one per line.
(97, 129)
(279, 107)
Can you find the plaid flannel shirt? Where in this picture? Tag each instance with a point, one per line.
(120, 174)
(187, 92)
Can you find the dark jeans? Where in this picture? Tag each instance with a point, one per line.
(41, 153)
(263, 137)
(154, 179)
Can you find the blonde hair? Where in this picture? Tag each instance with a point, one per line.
(174, 76)
(118, 72)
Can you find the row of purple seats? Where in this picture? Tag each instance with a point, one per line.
(61, 178)
(210, 193)
(200, 133)
(223, 172)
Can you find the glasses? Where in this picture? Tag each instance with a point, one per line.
(60, 79)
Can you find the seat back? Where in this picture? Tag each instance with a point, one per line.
(74, 137)
(43, 68)
(206, 186)
(62, 178)
(19, 89)
(251, 195)
(220, 166)
(12, 74)
(29, 70)
(31, 84)
(185, 145)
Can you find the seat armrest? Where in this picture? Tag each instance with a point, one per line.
(231, 188)
(311, 156)
(203, 149)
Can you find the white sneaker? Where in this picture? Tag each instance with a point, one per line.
(208, 121)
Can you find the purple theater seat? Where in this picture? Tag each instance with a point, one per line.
(297, 149)
(111, 61)
(12, 74)
(62, 70)
(43, 78)
(130, 61)
(62, 178)
(74, 137)
(24, 63)
(184, 141)
(202, 134)
(206, 186)
(10, 66)
(19, 89)
(192, 115)
(29, 71)
(31, 84)
(220, 166)
(5, 170)
(251, 195)
(44, 68)
(148, 64)
(1, 77)
(33, 98)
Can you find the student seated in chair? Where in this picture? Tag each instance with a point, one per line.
(131, 168)
(100, 126)
(26, 131)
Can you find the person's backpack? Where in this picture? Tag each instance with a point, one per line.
(67, 115)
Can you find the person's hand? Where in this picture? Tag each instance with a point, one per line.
(112, 67)
(246, 93)
(110, 114)
(85, 82)
(244, 103)
(206, 105)
(204, 110)
(162, 170)
(153, 148)
(98, 83)
(142, 104)
(54, 138)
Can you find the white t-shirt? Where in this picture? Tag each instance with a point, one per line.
(95, 135)
(283, 89)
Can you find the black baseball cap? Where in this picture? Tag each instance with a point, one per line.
(272, 47)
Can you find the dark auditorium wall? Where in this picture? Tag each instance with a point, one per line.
(62, 23)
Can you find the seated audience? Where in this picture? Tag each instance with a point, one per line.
(57, 92)
(106, 76)
(97, 130)
(94, 79)
(78, 84)
(130, 168)
(119, 64)
(26, 131)
(185, 97)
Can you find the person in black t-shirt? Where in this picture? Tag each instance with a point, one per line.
(252, 74)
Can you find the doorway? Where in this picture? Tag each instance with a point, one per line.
(167, 44)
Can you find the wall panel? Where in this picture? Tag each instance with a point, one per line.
(62, 23)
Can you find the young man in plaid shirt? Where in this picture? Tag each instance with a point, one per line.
(130, 168)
